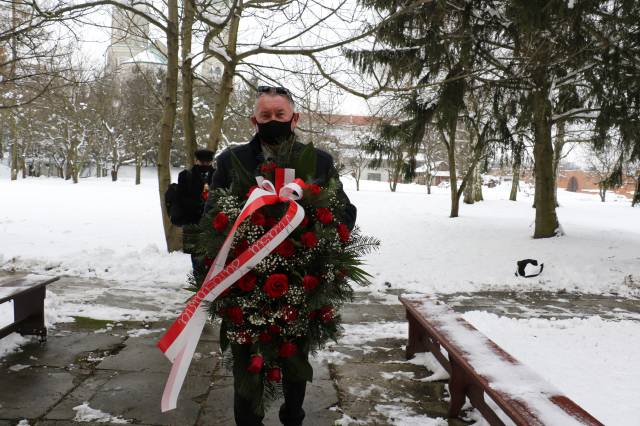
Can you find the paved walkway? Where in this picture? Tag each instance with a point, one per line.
(365, 379)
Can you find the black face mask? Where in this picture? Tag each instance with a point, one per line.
(203, 171)
(274, 132)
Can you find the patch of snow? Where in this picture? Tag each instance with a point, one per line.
(12, 343)
(402, 415)
(84, 413)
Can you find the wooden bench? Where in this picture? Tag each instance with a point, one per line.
(27, 293)
(478, 367)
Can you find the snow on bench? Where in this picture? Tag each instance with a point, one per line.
(477, 367)
(27, 293)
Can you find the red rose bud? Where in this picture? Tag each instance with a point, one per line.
(289, 313)
(286, 248)
(324, 215)
(309, 282)
(255, 363)
(220, 222)
(287, 349)
(205, 195)
(225, 292)
(268, 167)
(314, 189)
(258, 219)
(264, 337)
(247, 282)
(274, 329)
(208, 261)
(309, 239)
(276, 285)
(274, 374)
(234, 313)
(343, 232)
(241, 246)
(326, 313)
(304, 222)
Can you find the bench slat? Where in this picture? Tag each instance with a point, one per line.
(481, 359)
(12, 286)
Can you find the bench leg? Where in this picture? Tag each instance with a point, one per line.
(457, 389)
(416, 343)
(28, 311)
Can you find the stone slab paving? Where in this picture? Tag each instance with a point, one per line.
(117, 368)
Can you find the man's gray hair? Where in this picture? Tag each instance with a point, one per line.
(273, 91)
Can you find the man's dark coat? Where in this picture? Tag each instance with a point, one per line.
(250, 156)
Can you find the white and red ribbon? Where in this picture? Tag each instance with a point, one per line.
(180, 341)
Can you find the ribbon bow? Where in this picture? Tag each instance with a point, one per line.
(180, 341)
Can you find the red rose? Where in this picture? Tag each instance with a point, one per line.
(324, 215)
(220, 222)
(241, 246)
(314, 189)
(208, 261)
(247, 282)
(251, 190)
(274, 329)
(304, 222)
(343, 232)
(205, 195)
(276, 285)
(234, 313)
(274, 374)
(326, 313)
(255, 363)
(287, 349)
(286, 248)
(267, 168)
(309, 282)
(309, 239)
(258, 219)
(264, 337)
(289, 313)
(225, 292)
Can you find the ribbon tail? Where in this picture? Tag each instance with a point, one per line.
(180, 367)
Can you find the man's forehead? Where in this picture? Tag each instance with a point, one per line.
(272, 102)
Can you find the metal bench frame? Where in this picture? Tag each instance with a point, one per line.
(465, 382)
(28, 309)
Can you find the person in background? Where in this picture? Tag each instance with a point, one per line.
(193, 190)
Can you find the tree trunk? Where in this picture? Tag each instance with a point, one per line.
(114, 174)
(453, 179)
(477, 187)
(602, 190)
(546, 224)
(515, 183)
(138, 170)
(469, 196)
(636, 194)
(226, 87)
(428, 180)
(188, 119)
(171, 232)
(14, 148)
(558, 145)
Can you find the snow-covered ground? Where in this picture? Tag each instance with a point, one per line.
(98, 228)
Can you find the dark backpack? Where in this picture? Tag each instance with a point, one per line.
(172, 202)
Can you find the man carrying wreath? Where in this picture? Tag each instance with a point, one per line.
(276, 145)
